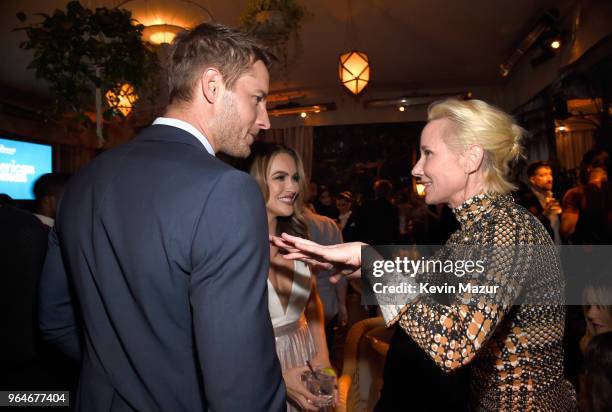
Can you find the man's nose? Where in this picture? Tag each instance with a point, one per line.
(263, 121)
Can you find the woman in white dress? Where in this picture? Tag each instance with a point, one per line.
(295, 308)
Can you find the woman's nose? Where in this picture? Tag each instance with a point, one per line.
(591, 312)
(417, 170)
(292, 185)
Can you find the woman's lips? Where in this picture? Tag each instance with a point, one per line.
(287, 199)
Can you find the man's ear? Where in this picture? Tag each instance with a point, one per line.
(212, 82)
(474, 156)
(532, 180)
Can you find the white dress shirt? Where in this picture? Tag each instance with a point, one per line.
(169, 121)
(554, 220)
(46, 220)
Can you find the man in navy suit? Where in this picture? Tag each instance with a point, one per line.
(156, 273)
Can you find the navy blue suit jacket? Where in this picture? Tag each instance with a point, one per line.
(165, 250)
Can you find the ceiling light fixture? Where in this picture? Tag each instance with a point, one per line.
(162, 20)
(354, 66)
(161, 33)
(302, 111)
(545, 23)
(354, 71)
(416, 100)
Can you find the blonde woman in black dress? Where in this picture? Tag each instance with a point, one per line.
(515, 352)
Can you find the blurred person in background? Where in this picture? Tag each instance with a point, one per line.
(596, 380)
(324, 204)
(597, 310)
(27, 362)
(325, 231)
(587, 208)
(539, 199)
(48, 189)
(379, 218)
(311, 199)
(347, 218)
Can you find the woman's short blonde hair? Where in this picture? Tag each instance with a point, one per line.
(478, 123)
(262, 157)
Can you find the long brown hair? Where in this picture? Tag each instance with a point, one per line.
(261, 159)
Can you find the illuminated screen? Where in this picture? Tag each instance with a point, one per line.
(21, 163)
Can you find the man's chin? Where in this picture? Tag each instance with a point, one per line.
(242, 151)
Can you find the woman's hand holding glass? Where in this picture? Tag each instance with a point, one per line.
(323, 365)
(297, 391)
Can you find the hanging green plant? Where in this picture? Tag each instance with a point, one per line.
(281, 16)
(80, 50)
(275, 23)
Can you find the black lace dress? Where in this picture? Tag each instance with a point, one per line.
(514, 351)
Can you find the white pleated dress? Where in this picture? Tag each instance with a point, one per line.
(294, 342)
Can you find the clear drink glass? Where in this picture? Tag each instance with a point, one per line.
(321, 385)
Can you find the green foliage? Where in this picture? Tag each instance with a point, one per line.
(283, 22)
(79, 49)
(292, 13)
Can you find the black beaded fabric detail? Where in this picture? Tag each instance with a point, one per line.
(514, 351)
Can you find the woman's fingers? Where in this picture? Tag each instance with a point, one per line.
(297, 391)
(296, 254)
(309, 260)
(282, 244)
(303, 402)
(345, 257)
(295, 239)
(349, 273)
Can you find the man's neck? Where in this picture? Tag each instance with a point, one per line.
(538, 190)
(184, 113)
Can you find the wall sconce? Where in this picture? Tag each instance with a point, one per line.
(163, 20)
(161, 33)
(122, 98)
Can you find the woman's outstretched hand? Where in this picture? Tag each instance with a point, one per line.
(345, 258)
